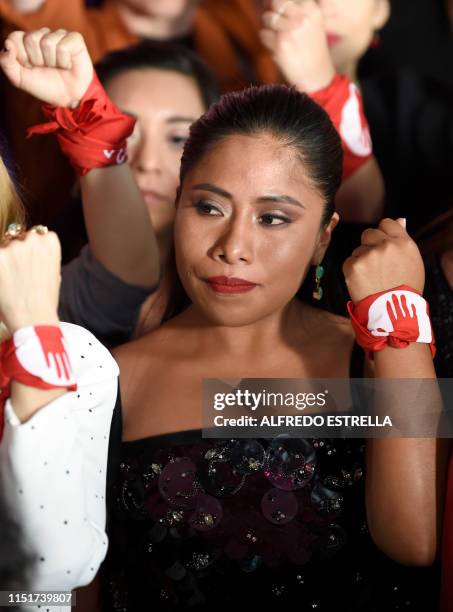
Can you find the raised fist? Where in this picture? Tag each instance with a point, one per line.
(387, 258)
(54, 67)
(295, 35)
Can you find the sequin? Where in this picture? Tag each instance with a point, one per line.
(326, 501)
(218, 476)
(207, 515)
(279, 507)
(332, 540)
(290, 463)
(177, 483)
(247, 456)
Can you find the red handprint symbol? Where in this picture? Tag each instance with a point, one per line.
(56, 358)
(404, 320)
(41, 351)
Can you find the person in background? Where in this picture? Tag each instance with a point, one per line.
(58, 391)
(103, 288)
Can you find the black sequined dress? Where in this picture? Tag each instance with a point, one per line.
(199, 524)
(439, 295)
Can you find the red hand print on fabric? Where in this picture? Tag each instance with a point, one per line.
(392, 318)
(41, 352)
(404, 321)
(37, 357)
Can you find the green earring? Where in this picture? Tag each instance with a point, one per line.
(319, 273)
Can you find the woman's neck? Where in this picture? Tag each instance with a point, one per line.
(149, 26)
(253, 340)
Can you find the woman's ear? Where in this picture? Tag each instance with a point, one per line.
(324, 239)
(381, 14)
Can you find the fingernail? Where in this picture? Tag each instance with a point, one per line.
(402, 222)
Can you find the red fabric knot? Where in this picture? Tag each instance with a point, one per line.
(94, 134)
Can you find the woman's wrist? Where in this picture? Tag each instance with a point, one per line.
(27, 318)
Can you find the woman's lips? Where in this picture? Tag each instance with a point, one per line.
(229, 284)
(333, 39)
(153, 197)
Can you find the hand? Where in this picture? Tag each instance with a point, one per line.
(295, 35)
(30, 281)
(387, 258)
(54, 67)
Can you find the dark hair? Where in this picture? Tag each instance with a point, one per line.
(290, 116)
(437, 237)
(161, 55)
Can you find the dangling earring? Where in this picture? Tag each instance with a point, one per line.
(319, 273)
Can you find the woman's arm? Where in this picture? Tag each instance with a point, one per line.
(405, 479)
(53, 452)
(119, 227)
(53, 467)
(55, 67)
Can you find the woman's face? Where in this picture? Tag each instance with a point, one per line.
(350, 27)
(248, 212)
(165, 103)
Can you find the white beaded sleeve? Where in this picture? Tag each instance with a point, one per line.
(53, 470)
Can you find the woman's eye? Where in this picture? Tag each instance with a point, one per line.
(179, 141)
(205, 208)
(270, 219)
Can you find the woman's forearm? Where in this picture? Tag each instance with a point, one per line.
(405, 476)
(119, 227)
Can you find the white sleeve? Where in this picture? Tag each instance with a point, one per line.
(53, 470)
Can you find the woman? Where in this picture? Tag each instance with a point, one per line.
(265, 223)
(46, 449)
(102, 289)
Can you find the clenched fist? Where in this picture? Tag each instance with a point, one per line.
(387, 258)
(54, 67)
(30, 280)
(295, 35)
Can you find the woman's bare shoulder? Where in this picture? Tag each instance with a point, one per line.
(328, 326)
(150, 350)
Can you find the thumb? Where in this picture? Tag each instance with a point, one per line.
(402, 222)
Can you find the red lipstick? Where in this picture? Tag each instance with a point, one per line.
(333, 39)
(229, 284)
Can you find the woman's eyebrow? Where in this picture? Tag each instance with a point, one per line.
(181, 119)
(285, 199)
(281, 198)
(218, 190)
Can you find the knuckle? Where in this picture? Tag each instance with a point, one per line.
(47, 42)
